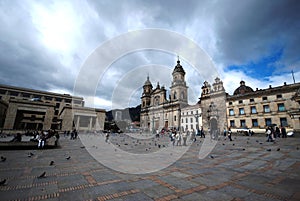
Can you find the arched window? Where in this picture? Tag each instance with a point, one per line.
(182, 95)
(175, 95)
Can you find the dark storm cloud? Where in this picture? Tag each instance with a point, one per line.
(250, 30)
(232, 32)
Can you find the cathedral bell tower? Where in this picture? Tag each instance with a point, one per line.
(146, 96)
(179, 90)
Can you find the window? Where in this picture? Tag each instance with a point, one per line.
(241, 111)
(49, 98)
(196, 111)
(175, 118)
(264, 98)
(243, 123)
(253, 110)
(283, 122)
(2, 91)
(240, 101)
(14, 93)
(231, 112)
(266, 108)
(58, 99)
(268, 121)
(191, 120)
(281, 107)
(182, 113)
(26, 95)
(186, 120)
(230, 103)
(251, 100)
(279, 96)
(192, 126)
(191, 112)
(232, 123)
(182, 120)
(254, 123)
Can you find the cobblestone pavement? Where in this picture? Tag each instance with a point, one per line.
(248, 168)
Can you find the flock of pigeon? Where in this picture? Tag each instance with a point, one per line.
(30, 154)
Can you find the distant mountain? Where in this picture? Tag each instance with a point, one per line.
(131, 114)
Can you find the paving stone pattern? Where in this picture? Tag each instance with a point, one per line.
(240, 170)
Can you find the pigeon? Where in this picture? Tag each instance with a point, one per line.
(233, 144)
(268, 149)
(3, 158)
(297, 148)
(2, 183)
(52, 162)
(223, 144)
(68, 158)
(211, 156)
(82, 147)
(256, 140)
(42, 175)
(278, 149)
(159, 146)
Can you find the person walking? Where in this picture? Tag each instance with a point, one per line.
(283, 132)
(229, 134)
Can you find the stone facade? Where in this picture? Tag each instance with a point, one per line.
(246, 108)
(33, 109)
(158, 111)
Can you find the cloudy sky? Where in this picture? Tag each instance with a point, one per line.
(47, 45)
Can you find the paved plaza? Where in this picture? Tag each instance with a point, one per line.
(248, 168)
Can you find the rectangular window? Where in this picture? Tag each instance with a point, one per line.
(14, 93)
(230, 103)
(175, 118)
(251, 100)
(186, 120)
(243, 123)
(231, 112)
(279, 96)
(266, 108)
(264, 98)
(196, 111)
(283, 122)
(191, 112)
(192, 126)
(241, 111)
(26, 95)
(58, 99)
(182, 120)
(2, 91)
(281, 107)
(240, 101)
(254, 123)
(268, 121)
(191, 120)
(253, 110)
(232, 123)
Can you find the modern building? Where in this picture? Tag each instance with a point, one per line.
(22, 109)
(158, 111)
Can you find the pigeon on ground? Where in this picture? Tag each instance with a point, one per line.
(52, 162)
(268, 149)
(211, 156)
(82, 147)
(278, 149)
(2, 182)
(223, 144)
(233, 144)
(68, 158)
(159, 146)
(42, 175)
(3, 158)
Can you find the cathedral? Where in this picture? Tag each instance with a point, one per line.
(158, 111)
(217, 110)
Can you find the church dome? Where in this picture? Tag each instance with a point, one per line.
(178, 68)
(242, 89)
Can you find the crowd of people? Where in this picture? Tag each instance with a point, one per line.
(273, 133)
